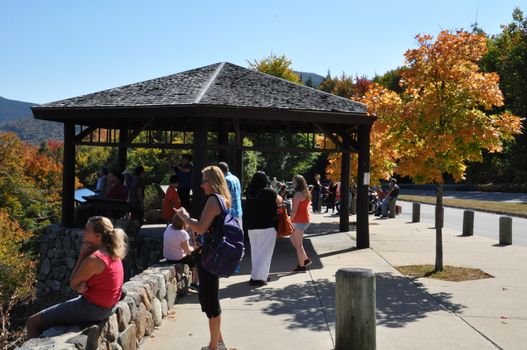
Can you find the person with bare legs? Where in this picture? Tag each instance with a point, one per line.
(213, 183)
(300, 219)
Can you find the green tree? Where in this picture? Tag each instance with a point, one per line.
(278, 66)
(390, 80)
(507, 55)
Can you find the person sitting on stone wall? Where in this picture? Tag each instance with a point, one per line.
(177, 248)
(98, 277)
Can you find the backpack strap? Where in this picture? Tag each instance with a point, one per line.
(222, 203)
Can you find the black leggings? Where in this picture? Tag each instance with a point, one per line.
(209, 292)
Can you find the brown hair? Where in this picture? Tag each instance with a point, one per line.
(215, 177)
(113, 238)
(301, 186)
(177, 223)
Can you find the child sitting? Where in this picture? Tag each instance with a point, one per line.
(177, 248)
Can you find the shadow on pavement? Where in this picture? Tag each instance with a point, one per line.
(400, 301)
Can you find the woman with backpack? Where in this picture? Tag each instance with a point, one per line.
(261, 216)
(300, 219)
(213, 183)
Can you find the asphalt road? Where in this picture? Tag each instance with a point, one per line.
(475, 195)
(485, 224)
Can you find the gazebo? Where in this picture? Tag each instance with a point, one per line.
(224, 99)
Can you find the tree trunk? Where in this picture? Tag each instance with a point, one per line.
(439, 227)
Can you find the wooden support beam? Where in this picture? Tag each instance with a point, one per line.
(68, 175)
(345, 184)
(363, 231)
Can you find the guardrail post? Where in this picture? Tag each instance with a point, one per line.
(355, 309)
(416, 212)
(506, 230)
(468, 223)
(391, 208)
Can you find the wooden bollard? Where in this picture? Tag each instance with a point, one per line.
(416, 212)
(355, 309)
(506, 230)
(391, 208)
(468, 223)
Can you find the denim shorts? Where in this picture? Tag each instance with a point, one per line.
(73, 312)
(301, 226)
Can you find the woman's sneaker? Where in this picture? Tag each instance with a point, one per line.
(194, 286)
(307, 262)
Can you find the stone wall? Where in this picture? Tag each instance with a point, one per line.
(149, 297)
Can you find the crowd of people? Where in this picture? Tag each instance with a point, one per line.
(98, 273)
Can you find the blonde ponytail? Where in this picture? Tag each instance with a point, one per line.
(113, 238)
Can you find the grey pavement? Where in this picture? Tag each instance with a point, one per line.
(298, 310)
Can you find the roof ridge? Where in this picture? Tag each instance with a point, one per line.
(209, 83)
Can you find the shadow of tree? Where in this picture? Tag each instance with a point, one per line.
(311, 304)
(301, 302)
(401, 301)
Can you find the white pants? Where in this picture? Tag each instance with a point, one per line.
(262, 247)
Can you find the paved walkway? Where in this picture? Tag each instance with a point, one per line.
(298, 310)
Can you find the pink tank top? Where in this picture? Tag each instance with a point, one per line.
(302, 214)
(104, 289)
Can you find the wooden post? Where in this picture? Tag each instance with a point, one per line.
(199, 155)
(468, 223)
(363, 231)
(238, 161)
(68, 175)
(223, 140)
(345, 184)
(506, 230)
(123, 149)
(355, 309)
(416, 212)
(391, 209)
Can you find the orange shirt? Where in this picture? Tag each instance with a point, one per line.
(302, 213)
(170, 201)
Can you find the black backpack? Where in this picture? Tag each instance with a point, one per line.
(224, 251)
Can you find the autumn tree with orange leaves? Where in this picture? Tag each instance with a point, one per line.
(382, 153)
(444, 116)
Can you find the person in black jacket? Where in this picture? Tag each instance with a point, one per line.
(261, 216)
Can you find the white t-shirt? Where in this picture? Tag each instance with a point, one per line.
(172, 240)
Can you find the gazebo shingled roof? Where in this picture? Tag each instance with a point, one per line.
(221, 97)
(218, 90)
(219, 84)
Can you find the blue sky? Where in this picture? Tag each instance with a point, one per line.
(55, 49)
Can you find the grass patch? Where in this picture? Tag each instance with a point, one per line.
(449, 273)
(494, 207)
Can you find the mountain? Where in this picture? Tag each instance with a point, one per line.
(315, 78)
(16, 116)
(11, 109)
(32, 130)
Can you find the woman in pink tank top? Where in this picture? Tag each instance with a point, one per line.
(98, 277)
(300, 219)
